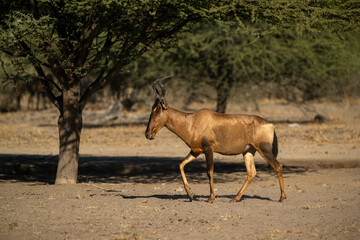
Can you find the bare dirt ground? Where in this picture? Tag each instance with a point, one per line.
(130, 188)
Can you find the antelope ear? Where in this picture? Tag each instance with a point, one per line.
(164, 104)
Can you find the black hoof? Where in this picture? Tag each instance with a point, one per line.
(191, 197)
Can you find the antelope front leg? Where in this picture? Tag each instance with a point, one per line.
(190, 157)
(210, 172)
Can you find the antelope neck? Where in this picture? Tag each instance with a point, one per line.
(179, 123)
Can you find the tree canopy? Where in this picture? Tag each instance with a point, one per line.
(73, 39)
(302, 67)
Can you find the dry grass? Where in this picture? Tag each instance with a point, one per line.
(39, 129)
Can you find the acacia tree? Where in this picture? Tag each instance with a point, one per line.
(307, 67)
(72, 39)
(221, 57)
(75, 39)
(216, 57)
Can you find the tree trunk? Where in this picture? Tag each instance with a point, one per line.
(221, 100)
(70, 125)
(223, 92)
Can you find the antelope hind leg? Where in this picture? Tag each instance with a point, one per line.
(266, 153)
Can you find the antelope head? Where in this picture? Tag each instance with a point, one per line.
(158, 116)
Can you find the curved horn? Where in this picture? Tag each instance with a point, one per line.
(159, 82)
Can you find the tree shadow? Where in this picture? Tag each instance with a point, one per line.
(142, 169)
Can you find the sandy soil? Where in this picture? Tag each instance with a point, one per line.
(130, 188)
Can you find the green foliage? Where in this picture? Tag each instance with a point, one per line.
(74, 39)
(305, 16)
(300, 67)
(93, 41)
(311, 64)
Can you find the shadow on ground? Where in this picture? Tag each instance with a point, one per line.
(196, 197)
(103, 169)
(42, 168)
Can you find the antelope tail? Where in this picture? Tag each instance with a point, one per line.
(275, 146)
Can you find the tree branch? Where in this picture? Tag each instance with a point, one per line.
(98, 56)
(100, 82)
(34, 8)
(89, 34)
(37, 65)
(166, 34)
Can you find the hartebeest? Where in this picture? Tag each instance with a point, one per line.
(206, 131)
